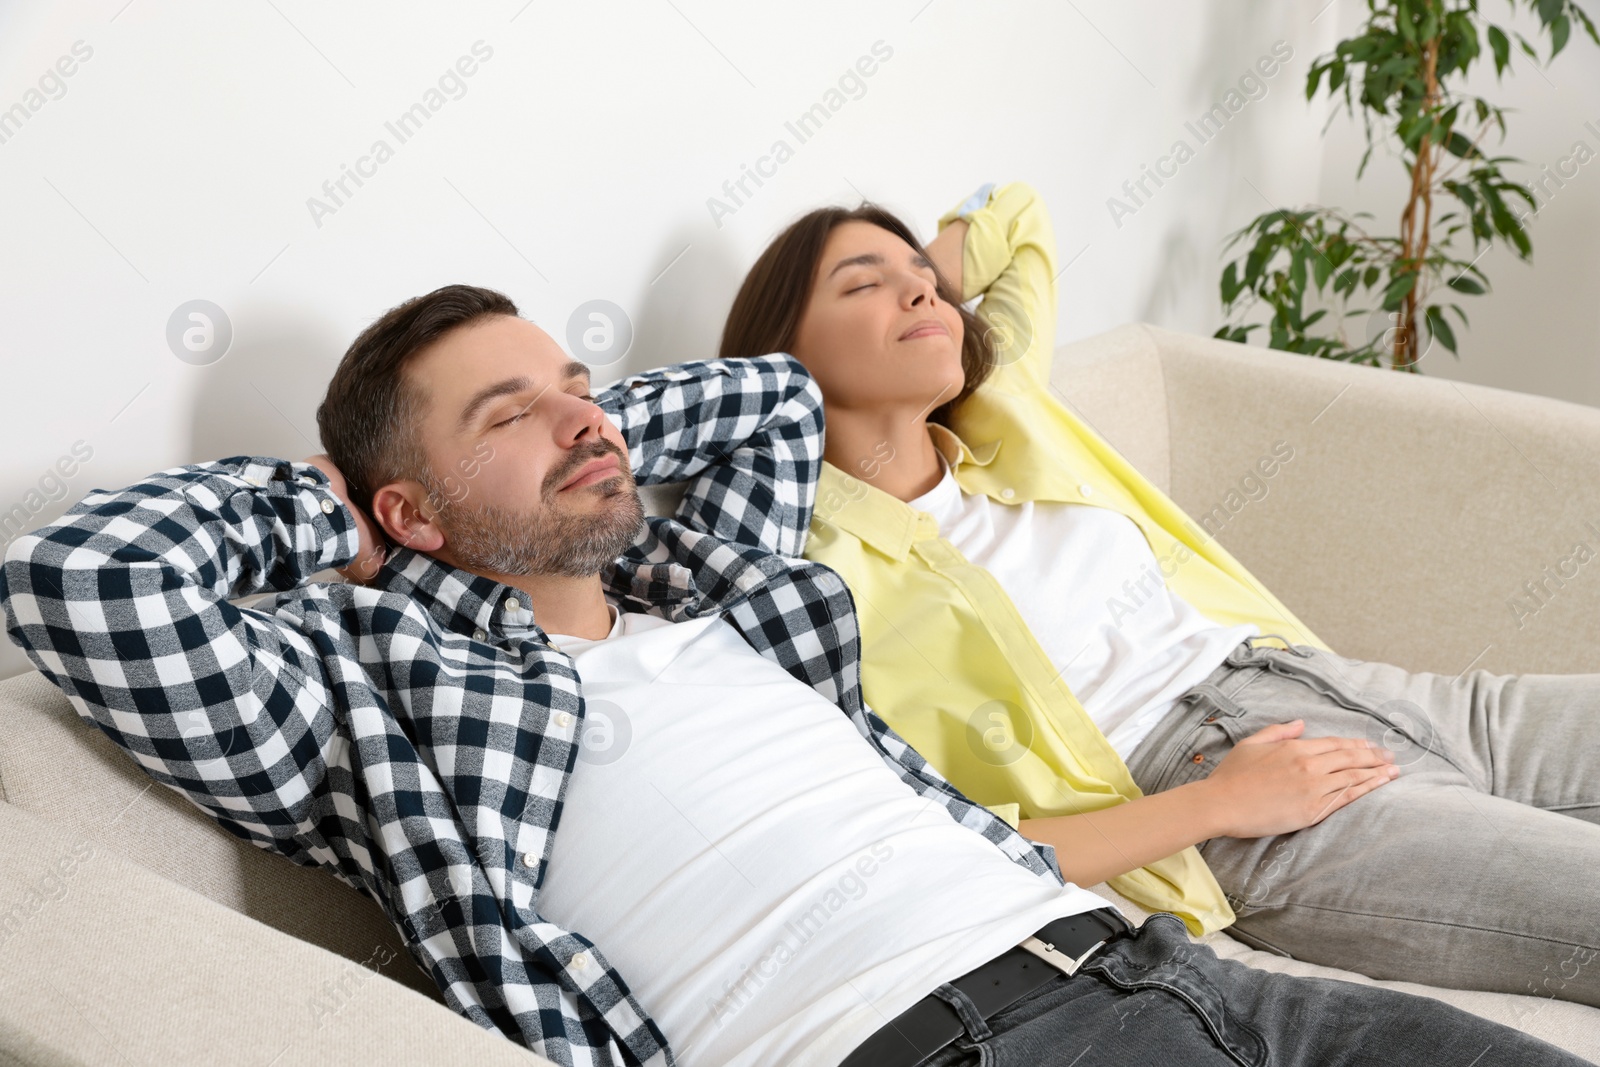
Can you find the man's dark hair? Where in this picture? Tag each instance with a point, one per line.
(368, 419)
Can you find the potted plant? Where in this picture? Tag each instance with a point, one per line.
(1404, 70)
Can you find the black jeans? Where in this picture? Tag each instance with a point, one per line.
(1155, 998)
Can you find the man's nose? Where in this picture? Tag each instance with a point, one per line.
(585, 425)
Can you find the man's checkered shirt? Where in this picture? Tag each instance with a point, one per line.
(414, 736)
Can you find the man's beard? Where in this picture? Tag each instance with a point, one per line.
(548, 540)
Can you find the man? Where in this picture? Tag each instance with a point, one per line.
(750, 868)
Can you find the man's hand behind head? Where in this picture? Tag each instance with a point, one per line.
(373, 548)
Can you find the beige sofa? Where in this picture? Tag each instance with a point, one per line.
(132, 929)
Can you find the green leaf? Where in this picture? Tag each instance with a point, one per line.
(1519, 237)
(1314, 79)
(1230, 284)
(1458, 145)
(1256, 261)
(1560, 31)
(1502, 49)
(1550, 10)
(1403, 23)
(1464, 284)
(1440, 328)
(1364, 157)
(1429, 29)
(1410, 130)
(1397, 290)
(1371, 277)
(1588, 24)
(1320, 271)
(1522, 190)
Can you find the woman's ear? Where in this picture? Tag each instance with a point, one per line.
(408, 516)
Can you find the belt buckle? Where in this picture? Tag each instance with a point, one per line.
(1060, 960)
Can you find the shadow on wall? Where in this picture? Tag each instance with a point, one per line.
(681, 310)
(261, 397)
(1191, 246)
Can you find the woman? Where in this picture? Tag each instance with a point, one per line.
(1053, 633)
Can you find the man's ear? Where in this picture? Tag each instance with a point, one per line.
(408, 516)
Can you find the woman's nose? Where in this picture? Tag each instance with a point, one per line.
(922, 293)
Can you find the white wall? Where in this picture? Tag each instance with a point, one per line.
(178, 163)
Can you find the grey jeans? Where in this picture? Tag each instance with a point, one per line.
(1154, 998)
(1477, 868)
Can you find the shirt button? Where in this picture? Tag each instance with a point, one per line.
(512, 605)
(1008, 492)
(563, 719)
(479, 635)
(1198, 758)
(328, 506)
(580, 961)
(530, 860)
(1086, 490)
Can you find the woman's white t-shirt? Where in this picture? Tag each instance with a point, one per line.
(1086, 582)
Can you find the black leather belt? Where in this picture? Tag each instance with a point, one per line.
(930, 1024)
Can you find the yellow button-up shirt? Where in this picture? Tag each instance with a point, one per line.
(946, 658)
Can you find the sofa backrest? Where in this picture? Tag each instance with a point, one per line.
(61, 767)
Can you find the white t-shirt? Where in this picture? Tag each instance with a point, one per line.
(1086, 582)
(767, 885)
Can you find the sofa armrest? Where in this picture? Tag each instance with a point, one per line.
(57, 766)
(107, 962)
(1437, 525)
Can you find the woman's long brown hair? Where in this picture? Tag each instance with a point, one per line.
(772, 300)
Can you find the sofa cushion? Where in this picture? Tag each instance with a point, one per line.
(56, 765)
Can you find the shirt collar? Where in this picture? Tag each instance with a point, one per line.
(459, 600)
(468, 603)
(881, 520)
(956, 451)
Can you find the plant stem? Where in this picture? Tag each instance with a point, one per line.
(1414, 237)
